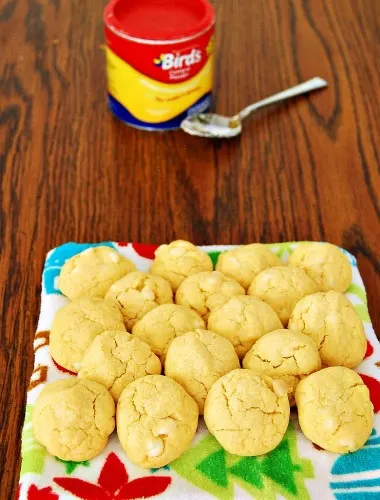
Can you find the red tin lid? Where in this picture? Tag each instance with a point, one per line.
(159, 20)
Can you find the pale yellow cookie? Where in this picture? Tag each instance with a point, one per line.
(204, 292)
(336, 328)
(324, 263)
(92, 272)
(243, 320)
(244, 263)
(284, 354)
(334, 409)
(156, 421)
(73, 418)
(161, 325)
(76, 325)
(281, 288)
(197, 359)
(115, 359)
(138, 293)
(246, 413)
(178, 260)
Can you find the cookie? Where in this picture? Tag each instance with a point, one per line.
(115, 359)
(92, 272)
(178, 260)
(161, 325)
(204, 292)
(76, 325)
(334, 409)
(281, 288)
(336, 328)
(73, 418)
(244, 263)
(246, 413)
(243, 320)
(156, 421)
(286, 355)
(138, 293)
(197, 359)
(324, 263)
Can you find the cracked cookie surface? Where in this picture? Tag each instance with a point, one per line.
(115, 359)
(282, 287)
(336, 328)
(76, 325)
(138, 293)
(156, 421)
(92, 272)
(243, 320)
(73, 419)
(163, 324)
(204, 292)
(197, 359)
(324, 263)
(286, 355)
(246, 413)
(178, 260)
(334, 409)
(244, 263)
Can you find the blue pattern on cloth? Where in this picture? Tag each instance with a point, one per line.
(56, 259)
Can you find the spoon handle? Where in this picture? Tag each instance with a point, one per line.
(302, 88)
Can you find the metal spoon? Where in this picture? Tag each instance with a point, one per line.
(220, 127)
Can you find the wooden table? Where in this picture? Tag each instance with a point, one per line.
(309, 169)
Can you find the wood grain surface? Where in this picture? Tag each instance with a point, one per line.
(309, 169)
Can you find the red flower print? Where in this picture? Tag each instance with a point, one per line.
(123, 243)
(146, 251)
(374, 390)
(369, 350)
(63, 370)
(35, 493)
(113, 484)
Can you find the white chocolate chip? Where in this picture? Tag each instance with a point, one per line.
(280, 388)
(234, 261)
(114, 257)
(148, 293)
(177, 252)
(77, 366)
(155, 447)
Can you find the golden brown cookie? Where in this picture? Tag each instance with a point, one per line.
(197, 359)
(205, 292)
(281, 288)
(138, 293)
(246, 413)
(334, 409)
(92, 272)
(336, 328)
(115, 359)
(73, 418)
(156, 421)
(76, 325)
(243, 320)
(244, 263)
(324, 263)
(178, 260)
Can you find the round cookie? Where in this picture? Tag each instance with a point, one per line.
(334, 409)
(281, 288)
(138, 293)
(246, 413)
(76, 325)
(204, 292)
(244, 263)
(197, 359)
(243, 320)
(92, 272)
(324, 263)
(73, 418)
(178, 260)
(161, 325)
(156, 421)
(115, 359)
(334, 325)
(286, 355)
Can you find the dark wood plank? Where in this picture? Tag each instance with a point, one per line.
(69, 171)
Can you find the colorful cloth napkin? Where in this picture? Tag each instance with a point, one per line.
(295, 469)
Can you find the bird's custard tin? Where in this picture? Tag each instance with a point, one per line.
(159, 60)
